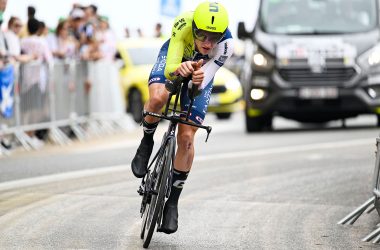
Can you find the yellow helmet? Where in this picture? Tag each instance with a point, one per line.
(211, 17)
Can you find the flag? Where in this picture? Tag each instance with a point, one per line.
(6, 91)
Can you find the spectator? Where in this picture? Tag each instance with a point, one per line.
(31, 12)
(91, 22)
(126, 33)
(140, 33)
(107, 39)
(91, 14)
(61, 43)
(13, 40)
(76, 22)
(37, 78)
(43, 30)
(34, 44)
(158, 31)
(3, 44)
(3, 51)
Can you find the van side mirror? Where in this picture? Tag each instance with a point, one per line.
(242, 32)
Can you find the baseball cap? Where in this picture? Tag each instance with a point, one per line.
(77, 13)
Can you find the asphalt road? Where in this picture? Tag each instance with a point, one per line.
(285, 189)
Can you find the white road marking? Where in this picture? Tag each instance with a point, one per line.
(126, 167)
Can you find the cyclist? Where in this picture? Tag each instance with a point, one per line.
(200, 43)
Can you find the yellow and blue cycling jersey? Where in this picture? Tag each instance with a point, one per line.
(179, 48)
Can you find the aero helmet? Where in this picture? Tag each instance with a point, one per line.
(211, 17)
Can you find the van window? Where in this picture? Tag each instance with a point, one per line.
(318, 16)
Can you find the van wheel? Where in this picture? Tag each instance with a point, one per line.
(223, 116)
(135, 105)
(378, 120)
(257, 124)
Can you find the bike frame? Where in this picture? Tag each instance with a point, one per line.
(174, 119)
(169, 138)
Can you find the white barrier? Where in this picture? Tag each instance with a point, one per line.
(369, 205)
(58, 99)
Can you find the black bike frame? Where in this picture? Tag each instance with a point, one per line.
(169, 138)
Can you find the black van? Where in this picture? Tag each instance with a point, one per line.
(312, 61)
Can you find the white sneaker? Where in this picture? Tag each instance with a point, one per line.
(37, 143)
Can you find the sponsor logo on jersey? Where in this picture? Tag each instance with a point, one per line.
(222, 59)
(199, 119)
(225, 48)
(155, 79)
(181, 26)
(220, 64)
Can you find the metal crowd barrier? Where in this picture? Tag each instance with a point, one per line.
(373, 203)
(57, 99)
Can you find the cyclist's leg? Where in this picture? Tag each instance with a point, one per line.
(185, 152)
(158, 96)
(157, 99)
(184, 157)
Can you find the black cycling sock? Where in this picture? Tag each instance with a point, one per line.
(149, 129)
(178, 181)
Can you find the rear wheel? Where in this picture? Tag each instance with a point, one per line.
(159, 178)
(223, 116)
(259, 123)
(135, 105)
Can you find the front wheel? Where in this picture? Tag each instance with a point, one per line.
(158, 183)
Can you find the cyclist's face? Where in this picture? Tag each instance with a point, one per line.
(205, 41)
(204, 47)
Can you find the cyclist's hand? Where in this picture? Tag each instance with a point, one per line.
(189, 67)
(198, 73)
(185, 69)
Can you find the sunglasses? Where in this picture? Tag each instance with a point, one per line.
(203, 36)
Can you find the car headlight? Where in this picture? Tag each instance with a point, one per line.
(233, 84)
(258, 94)
(370, 60)
(261, 61)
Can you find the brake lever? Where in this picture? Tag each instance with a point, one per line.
(208, 129)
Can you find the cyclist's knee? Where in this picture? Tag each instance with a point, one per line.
(157, 101)
(185, 140)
